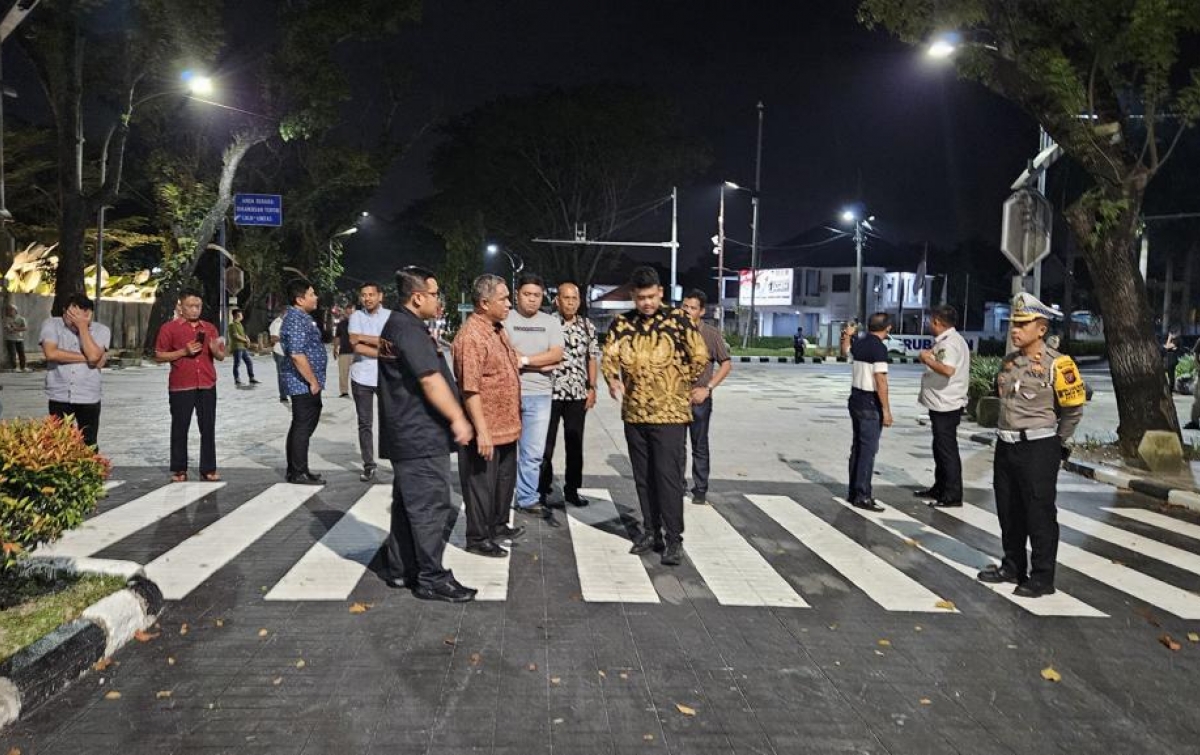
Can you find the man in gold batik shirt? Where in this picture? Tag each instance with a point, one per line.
(652, 357)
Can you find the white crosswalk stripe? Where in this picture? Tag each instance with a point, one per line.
(725, 561)
(186, 566)
(882, 582)
(331, 569)
(1155, 592)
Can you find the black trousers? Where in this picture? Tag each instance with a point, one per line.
(422, 517)
(16, 353)
(203, 402)
(1025, 481)
(947, 464)
(87, 418)
(364, 407)
(487, 489)
(573, 415)
(658, 454)
(698, 433)
(306, 413)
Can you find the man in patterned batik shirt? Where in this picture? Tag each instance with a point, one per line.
(573, 394)
(652, 357)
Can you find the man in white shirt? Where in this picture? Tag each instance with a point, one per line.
(76, 349)
(365, 326)
(274, 330)
(944, 394)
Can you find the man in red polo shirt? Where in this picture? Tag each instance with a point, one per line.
(190, 344)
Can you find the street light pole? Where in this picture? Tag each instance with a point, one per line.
(754, 261)
(858, 249)
(721, 263)
(514, 261)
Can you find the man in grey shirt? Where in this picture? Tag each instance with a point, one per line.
(538, 340)
(75, 349)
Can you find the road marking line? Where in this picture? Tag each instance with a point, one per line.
(1118, 576)
(487, 575)
(186, 566)
(608, 572)
(331, 568)
(1168, 554)
(1155, 519)
(116, 524)
(882, 582)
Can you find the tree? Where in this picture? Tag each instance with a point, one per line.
(546, 164)
(1108, 80)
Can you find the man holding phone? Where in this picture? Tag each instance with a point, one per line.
(189, 345)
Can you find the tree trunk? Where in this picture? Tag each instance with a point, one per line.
(1068, 292)
(73, 205)
(1138, 372)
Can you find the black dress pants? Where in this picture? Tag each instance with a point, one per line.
(364, 407)
(947, 464)
(306, 413)
(87, 418)
(658, 454)
(698, 434)
(1025, 481)
(203, 402)
(573, 415)
(487, 489)
(422, 517)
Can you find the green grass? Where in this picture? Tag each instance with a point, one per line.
(758, 351)
(32, 605)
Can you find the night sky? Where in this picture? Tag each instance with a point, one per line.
(851, 115)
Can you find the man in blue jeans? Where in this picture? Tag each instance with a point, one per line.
(538, 340)
(870, 410)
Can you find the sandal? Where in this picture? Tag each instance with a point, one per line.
(179, 477)
(210, 477)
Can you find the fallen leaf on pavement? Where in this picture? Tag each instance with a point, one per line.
(361, 607)
(1193, 637)
(102, 664)
(531, 667)
(885, 643)
(112, 695)
(277, 681)
(926, 701)
(623, 675)
(300, 663)
(946, 604)
(475, 659)
(555, 680)
(685, 710)
(910, 541)
(220, 622)
(918, 628)
(602, 674)
(1169, 643)
(162, 694)
(263, 633)
(183, 628)
(170, 661)
(1148, 615)
(15, 751)
(535, 557)
(645, 737)
(1050, 675)
(558, 720)
(143, 636)
(879, 652)
(451, 641)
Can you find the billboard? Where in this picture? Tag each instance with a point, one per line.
(774, 287)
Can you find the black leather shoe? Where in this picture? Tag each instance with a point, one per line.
(509, 533)
(402, 583)
(939, 504)
(575, 500)
(867, 504)
(1031, 590)
(933, 493)
(673, 555)
(306, 478)
(994, 575)
(643, 544)
(659, 545)
(368, 475)
(463, 587)
(447, 592)
(487, 548)
(536, 509)
(551, 520)
(1193, 425)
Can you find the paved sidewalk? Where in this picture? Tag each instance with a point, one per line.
(794, 625)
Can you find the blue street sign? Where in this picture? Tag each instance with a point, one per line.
(258, 209)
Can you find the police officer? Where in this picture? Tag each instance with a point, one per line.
(1041, 402)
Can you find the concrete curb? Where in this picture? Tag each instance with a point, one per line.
(1177, 496)
(38, 672)
(777, 360)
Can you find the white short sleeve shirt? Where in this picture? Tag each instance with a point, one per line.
(365, 369)
(947, 394)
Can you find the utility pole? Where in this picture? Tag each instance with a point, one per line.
(674, 243)
(721, 263)
(754, 261)
(858, 249)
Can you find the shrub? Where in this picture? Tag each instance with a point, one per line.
(49, 481)
(983, 377)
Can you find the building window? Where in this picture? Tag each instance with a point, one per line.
(840, 283)
(812, 282)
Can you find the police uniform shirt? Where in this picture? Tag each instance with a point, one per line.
(1042, 392)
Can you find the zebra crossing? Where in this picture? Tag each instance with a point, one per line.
(734, 566)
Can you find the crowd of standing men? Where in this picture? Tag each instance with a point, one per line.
(519, 373)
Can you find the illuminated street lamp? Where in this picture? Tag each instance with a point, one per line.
(860, 224)
(515, 262)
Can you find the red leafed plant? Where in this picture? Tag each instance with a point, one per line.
(49, 482)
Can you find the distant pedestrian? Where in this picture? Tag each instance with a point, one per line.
(273, 331)
(1041, 403)
(799, 345)
(849, 334)
(944, 394)
(652, 358)
(870, 409)
(304, 376)
(694, 304)
(365, 326)
(573, 394)
(1194, 421)
(538, 339)
(1171, 354)
(343, 350)
(189, 345)
(76, 349)
(240, 343)
(488, 373)
(14, 336)
(421, 423)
